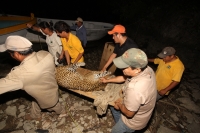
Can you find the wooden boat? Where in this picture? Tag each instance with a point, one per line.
(14, 25)
(95, 30)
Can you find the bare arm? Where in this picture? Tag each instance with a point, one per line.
(112, 56)
(168, 88)
(120, 106)
(151, 60)
(33, 27)
(118, 79)
(62, 54)
(78, 58)
(67, 57)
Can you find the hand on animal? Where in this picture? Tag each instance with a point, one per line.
(103, 80)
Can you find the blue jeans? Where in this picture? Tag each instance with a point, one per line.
(119, 127)
(158, 96)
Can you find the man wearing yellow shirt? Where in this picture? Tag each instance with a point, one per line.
(72, 48)
(169, 71)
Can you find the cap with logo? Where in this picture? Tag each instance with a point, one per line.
(166, 52)
(79, 19)
(133, 57)
(15, 43)
(117, 29)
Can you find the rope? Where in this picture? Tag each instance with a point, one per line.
(40, 42)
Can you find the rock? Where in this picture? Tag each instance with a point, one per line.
(163, 129)
(196, 94)
(91, 132)
(61, 122)
(19, 131)
(19, 124)
(28, 126)
(21, 114)
(15, 100)
(21, 107)
(11, 110)
(46, 124)
(66, 95)
(2, 124)
(188, 116)
(193, 128)
(32, 131)
(84, 108)
(174, 117)
(77, 129)
(188, 104)
(9, 102)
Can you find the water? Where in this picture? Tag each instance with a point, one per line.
(6, 23)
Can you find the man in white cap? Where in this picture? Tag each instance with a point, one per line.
(123, 43)
(133, 111)
(169, 72)
(35, 75)
(81, 32)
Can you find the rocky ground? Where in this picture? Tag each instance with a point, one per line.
(177, 113)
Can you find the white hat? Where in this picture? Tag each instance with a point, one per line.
(16, 43)
(79, 19)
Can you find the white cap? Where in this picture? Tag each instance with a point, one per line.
(16, 43)
(79, 19)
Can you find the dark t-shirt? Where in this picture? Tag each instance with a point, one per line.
(129, 43)
(119, 50)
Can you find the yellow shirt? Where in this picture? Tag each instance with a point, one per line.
(168, 72)
(73, 46)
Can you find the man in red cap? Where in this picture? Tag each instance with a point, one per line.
(123, 43)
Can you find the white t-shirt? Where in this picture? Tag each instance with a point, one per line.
(54, 45)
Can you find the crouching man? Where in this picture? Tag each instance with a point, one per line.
(133, 111)
(35, 75)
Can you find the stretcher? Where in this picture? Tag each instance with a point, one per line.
(89, 95)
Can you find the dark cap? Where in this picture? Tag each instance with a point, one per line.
(166, 52)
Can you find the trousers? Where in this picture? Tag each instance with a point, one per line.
(36, 110)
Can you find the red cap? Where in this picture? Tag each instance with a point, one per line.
(117, 29)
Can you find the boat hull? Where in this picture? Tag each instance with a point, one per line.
(14, 25)
(95, 30)
(22, 32)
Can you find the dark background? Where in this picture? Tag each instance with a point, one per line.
(113, 11)
(152, 24)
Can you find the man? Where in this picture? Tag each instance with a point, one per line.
(123, 43)
(35, 75)
(133, 111)
(72, 48)
(52, 40)
(80, 31)
(169, 72)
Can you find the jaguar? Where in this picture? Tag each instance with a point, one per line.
(78, 78)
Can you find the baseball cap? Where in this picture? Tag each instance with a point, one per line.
(15, 43)
(133, 57)
(166, 52)
(79, 19)
(117, 29)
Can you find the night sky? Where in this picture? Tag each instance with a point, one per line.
(112, 11)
